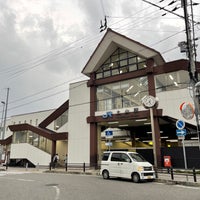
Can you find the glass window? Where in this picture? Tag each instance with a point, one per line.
(137, 157)
(99, 75)
(121, 94)
(107, 73)
(116, 157)
(105, 156)
(114, 58)
(121, 61)
(132, 67)
(61, 120)
(132, 60)
(123, 56)
(172, 81)
(20, 137)
(115, 71)
(142, 65)
(125, 158)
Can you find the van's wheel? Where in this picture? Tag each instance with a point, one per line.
(136, 178)
(105, 174)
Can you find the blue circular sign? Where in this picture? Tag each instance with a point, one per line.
(180, 124)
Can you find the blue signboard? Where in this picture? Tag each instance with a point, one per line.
(109, 133)
(181, 132)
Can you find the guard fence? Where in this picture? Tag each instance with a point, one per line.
(175, 174)
(81, 167)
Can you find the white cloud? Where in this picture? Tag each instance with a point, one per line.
(45, 43)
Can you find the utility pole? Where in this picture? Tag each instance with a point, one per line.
(5, 116)
(191, 53)
(189, 48)
(2, 119)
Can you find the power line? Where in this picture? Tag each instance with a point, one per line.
(54, 53)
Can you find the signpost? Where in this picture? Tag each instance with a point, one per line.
(108, 135)
(181, 133)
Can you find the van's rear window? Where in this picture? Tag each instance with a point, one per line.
(105, 156)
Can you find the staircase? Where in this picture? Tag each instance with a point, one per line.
(31, 153)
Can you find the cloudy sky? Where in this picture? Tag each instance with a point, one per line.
(44, 44)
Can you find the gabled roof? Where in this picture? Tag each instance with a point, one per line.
(110, 42)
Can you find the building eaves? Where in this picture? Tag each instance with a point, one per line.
(6, 141)
(54, 115)
(51, 135)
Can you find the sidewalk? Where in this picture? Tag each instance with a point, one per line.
(162, 177)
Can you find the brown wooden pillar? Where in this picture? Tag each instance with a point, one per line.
(93, 144)
(157, 139)
(93, 126)
(152, 91)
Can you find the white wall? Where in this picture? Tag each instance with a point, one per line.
(78, 129)
(170, 102)
(31, 118)
(33, 154)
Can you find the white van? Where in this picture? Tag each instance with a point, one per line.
(126, 164)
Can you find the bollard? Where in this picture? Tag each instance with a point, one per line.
(6, 165)
(50, 166)
(172, 173)
(26, 165)
(84, 167)
(37, 167)
(66, 167)
(194, 175)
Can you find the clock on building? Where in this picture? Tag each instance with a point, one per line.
(149, 101)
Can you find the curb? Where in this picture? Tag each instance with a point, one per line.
(173, 182)
(71, 172)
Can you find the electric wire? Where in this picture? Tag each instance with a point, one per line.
(57, 53)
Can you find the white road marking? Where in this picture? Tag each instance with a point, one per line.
(188, 187)
(57, 192)
(28, 180)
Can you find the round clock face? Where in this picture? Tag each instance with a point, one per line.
(149, 101)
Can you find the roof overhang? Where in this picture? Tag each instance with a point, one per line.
(110, 42)
(51, 135)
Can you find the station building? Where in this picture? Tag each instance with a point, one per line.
(121, 72)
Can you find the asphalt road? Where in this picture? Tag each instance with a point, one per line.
(47, 186)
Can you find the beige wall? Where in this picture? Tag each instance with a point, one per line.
(61, 149)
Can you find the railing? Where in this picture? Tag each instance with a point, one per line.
(80, 167)
(193, 173)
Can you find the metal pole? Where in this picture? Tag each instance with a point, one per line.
(184, 155)
(5, 116)
(153, 137)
